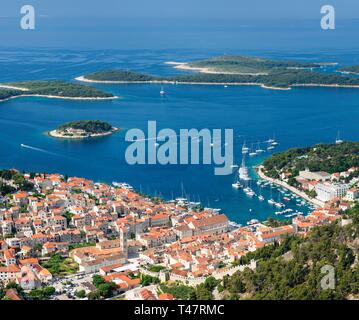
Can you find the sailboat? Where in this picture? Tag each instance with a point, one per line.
(260, 197)
(279, 204)
(243, 171)
(236, 184)
(259, 150)
(248, 191)
(270, 140)
(271, 143)
(252, 153)
(271, 201)
(234, 165)
(162, 92)
(270, 146)
(274, 142)
(338, 140)
(245, 149)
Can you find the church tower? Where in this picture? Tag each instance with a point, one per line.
(123, 241)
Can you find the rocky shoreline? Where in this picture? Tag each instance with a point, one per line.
(57, 134)
(262, 85)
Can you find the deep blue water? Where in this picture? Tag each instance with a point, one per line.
(299, 117)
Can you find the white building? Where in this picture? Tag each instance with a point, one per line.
(327, 192)
(317, 176)
(352, 194)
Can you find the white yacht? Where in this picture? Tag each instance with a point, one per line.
(260, 197)
(271, 201)
(245, 149)
(236, 185)
(259, 150)
(123, 185)
(252, 222)
(250, 193)
(252, 153)
(279, 205)
(338, 140)
(243, 171)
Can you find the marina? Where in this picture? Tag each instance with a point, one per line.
(104, 159)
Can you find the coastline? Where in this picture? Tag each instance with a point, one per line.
(286, 186)
(55, 134)
(349, 72)
(3, 86)
(325, 85)
(275, 88)
(60, 97)
(262, 85)
(186, 67)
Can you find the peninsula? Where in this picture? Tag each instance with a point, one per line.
(235, 70)
(320, 174)
(52, 89)
(350, 70)
(83, 129)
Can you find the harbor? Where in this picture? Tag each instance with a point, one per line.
(286, 186)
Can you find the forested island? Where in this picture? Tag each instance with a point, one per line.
(52, 89)
(350, 70)
(83, 129)
(235, 70)
(243, 65)
(329, 158)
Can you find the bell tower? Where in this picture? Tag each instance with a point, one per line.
(123, 241)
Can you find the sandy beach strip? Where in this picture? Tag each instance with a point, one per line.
(3, 86)
(84, 79)
(186, 67)
(325, 85)
(275, 88)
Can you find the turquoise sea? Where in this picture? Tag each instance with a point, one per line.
(299, 117)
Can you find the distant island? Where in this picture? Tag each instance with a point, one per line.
(83, 129)
(235, 70)
(52, 89)
(242, 65)
(350, 70)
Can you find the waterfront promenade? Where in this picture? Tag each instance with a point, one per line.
(285, 185)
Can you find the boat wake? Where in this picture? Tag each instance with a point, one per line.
(39, 150)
